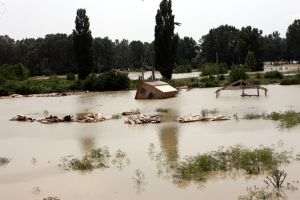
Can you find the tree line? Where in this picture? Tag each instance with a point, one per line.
(80, 53)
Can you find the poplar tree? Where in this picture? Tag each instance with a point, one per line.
(82, 41)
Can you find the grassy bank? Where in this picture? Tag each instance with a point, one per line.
(116, 82)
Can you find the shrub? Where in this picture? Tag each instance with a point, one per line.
(211, 81)
(274, 75)
(214, 69)
(183, 69)
(71, 77)
(14, 72)
(109, 81)
(238, 73)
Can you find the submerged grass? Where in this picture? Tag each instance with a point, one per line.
(100, 158)
(288, 119)
(252, 162)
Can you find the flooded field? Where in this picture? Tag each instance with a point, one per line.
(138, 161)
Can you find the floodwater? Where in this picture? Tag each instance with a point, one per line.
(148, 74)
(36, 150)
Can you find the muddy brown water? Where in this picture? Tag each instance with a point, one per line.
(35, 149)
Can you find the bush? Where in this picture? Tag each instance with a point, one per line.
(238, 73)
(14, 72)
(211, 81)
(71, 77)
(183, 69)
(214, 69)
(109, 81)
(274, 75)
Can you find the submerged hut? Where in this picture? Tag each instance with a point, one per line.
(243, 85)
(155, 90)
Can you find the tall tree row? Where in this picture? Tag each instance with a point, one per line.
(165, 43)
(83, 41)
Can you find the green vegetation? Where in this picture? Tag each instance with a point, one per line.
(109, 81)
(273, 75)
(211, 69)
(288, 119)
(13, 72)
(238, 73)
(96, 159)
(82, 44)
(183, 69)
(36, 86)
(252, 162)
(291, 80)
(165, 43)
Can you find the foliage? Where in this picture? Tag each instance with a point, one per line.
(100, 158)
(186, 51)
(294, 80)
(293, 40)
(287, 119)
(165, 44)
(253, 162)
(210, 69)
(82, 39)
(250, 61)
(71, 77)
(183, 69)
(109, 81)
(273, 75)
(238, 73)
(14, 72)
(208, 82)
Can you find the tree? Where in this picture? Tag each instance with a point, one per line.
(82, 38)
(104, 54)
(137, 53)
(250, 61)
(165, 44)
(186, 51)
(293, 40)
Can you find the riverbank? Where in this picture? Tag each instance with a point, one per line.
(58, 86)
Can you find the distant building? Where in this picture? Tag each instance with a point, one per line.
(155, 90)
(281, 66)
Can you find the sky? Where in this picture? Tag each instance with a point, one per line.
(135, 19)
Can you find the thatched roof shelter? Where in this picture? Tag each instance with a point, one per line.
(155, 90)
(243, 85)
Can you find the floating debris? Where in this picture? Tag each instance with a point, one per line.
(198, 118)
(54, 119)
(51, 198)
(136, 112)
(4, 161)
(21, 118)
(143, 119)
(91, 118)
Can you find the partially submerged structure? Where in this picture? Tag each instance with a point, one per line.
(243, 85)
(155, 90)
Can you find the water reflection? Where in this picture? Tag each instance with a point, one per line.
(139, 180)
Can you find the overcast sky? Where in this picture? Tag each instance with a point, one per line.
(135, 19)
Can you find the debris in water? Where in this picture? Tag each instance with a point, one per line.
(143, 119)
(91, 118)
(55, 119)
(21, 118)
(4, 161)
(198, 118)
